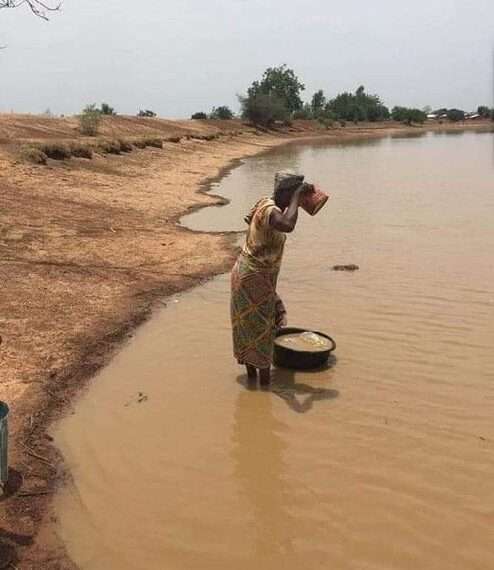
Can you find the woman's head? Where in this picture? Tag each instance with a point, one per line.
(285, 183)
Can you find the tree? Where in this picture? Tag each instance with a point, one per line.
(358, 107)
(483, 111)
(107, 110)
(318, 103)
(281, 83)
(200, 115)
(304, 113)
(89, 120)
(38, 8)
(408, 115)
(222, 112)
(456, 115)
(264, 109)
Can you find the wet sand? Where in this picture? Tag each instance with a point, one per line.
(382, 461)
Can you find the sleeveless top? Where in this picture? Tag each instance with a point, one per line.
(263, 248)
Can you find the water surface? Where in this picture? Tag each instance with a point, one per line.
(383, 461)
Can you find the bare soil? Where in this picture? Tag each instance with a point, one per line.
(87, 249)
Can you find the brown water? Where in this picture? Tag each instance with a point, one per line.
(384, 461)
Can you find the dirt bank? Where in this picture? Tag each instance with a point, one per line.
(87, 249)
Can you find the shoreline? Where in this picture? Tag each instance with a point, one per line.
(130, 305)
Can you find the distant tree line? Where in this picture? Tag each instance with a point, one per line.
(277, 97)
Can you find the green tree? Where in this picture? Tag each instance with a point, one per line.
(318, 103)
(106, 109)
(264, 109)
(408, 115)
(305, 113)
(222, 112)
(358, 106)
(200, 115)
(456, 115)
(282, 84)
(89, 120)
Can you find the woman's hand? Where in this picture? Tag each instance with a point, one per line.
(286, 221)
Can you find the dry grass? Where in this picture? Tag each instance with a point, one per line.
(33, 154)
(155, 142)
(56, 150)
(81, 150)
(108, 146)
(125, 145)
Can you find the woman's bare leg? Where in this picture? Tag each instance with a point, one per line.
(265, 376)
(251, 371)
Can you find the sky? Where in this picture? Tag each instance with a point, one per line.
(177, 57)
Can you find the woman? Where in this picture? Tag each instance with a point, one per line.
(256, 309)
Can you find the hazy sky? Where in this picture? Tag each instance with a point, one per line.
(181, 56)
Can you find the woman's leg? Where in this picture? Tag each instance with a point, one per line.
(251, 371)
(265, 376)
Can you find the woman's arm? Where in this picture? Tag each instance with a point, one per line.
(286, 221)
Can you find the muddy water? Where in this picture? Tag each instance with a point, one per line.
(384, 461)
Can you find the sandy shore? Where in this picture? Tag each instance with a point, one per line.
(88, 248)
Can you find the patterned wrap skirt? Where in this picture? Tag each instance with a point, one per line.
(254, 306)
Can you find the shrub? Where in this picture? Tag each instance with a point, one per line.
(326, 122)
(89, 121)
(81, 150)
(146, 113)
(173, 139)
(264, 109)
(222, 112)
(57, 151)
(109, 146)
(33, 154)
(139, 143)
(342, 123)
(209, 137)
(125, 145)
(155, 142)
(201, 116)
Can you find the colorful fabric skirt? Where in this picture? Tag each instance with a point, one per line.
(253, 313)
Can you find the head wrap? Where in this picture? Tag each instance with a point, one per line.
(287, 180)
(283, 180)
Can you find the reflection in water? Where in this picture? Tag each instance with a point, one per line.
(258, 448)
(298, 396)
(409, 135)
